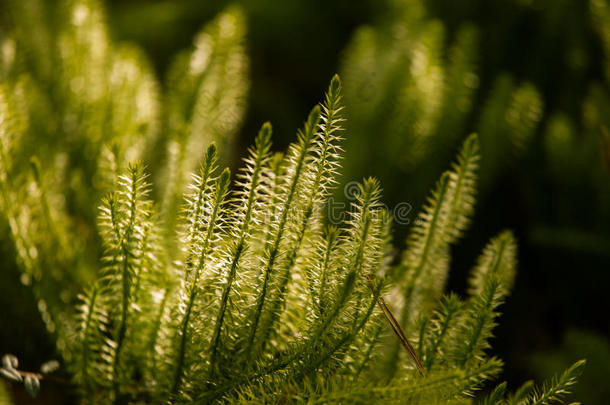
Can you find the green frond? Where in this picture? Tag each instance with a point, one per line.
(125, 223)
(496, 396)
(441, 223)
(198, 204)
(474, 333)
(441, 326)
(92, 365)
(520, 396)
(319, 268)
(559, 143)
(252, 187)
(205, 102)
(551, 392)
(423, 270)
(471, 379)
(328, 149)
(558, 387)
(365, 233)
(424, 263)
(523, 115)
(463, 182)
(499, 259)
(364, 353)
(273, 183)
(424, 244)
(506, 124)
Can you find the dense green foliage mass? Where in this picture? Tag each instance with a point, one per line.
(530, 77)
(162, 280)
(415, 82)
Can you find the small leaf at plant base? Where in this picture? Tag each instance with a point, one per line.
(49, 367)
(10, 361)
(11, 374)
(32, 385)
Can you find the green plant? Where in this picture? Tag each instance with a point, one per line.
(247, 294)
(595, 348)
(280, 308)
(75, 109)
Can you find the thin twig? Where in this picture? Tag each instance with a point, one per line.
(398, 331)
(46, 377)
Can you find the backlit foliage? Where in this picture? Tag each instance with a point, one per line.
(219, 288)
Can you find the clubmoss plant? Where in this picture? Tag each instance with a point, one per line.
(228, 291)
(286, 307)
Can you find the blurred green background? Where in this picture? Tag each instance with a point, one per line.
(532, 77)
